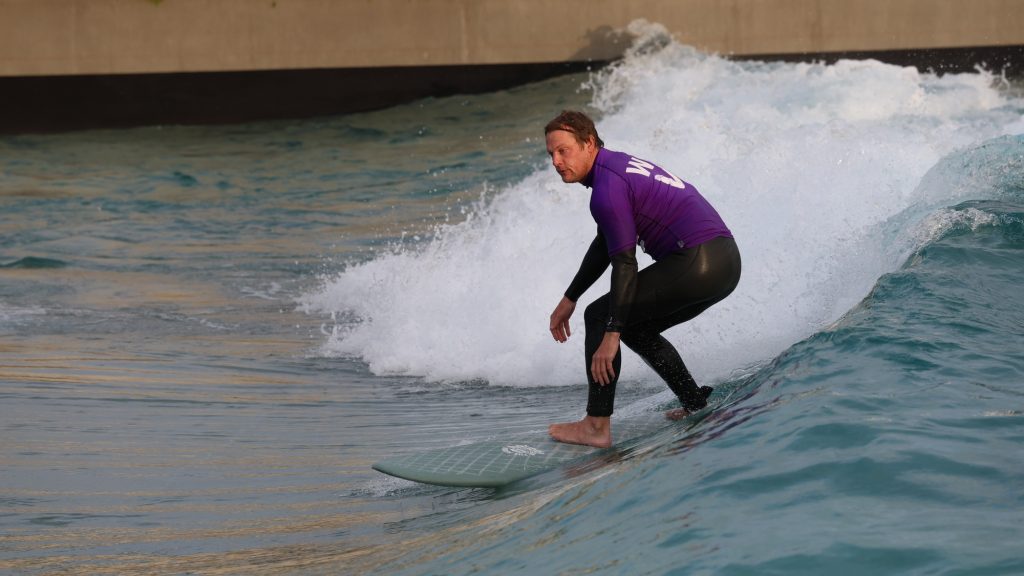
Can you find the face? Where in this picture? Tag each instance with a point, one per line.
(571, 160)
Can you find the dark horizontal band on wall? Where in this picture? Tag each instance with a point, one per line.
(30, 104)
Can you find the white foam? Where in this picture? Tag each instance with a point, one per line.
(938, 223)
(1016, 128)
(13, 315)
(806, 162)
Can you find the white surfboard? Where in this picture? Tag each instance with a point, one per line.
(496, 463)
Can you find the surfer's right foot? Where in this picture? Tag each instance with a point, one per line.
(591, 431)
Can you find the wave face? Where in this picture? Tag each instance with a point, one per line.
(871, 354)
(818, 170)
(881, 444)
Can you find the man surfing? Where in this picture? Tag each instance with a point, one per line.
(696, 264)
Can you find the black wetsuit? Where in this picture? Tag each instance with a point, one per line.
(697, 264)
(669, 292)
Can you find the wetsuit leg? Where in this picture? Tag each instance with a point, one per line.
(601, 399)
(673, 290)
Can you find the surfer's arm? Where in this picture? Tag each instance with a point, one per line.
(623, 289)
(595, 262)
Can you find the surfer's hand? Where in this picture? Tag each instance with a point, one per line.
(560, 319)
(601, 367)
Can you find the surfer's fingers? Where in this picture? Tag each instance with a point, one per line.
(602, 370)
(560, 330)
(609, 372)
(565, 331)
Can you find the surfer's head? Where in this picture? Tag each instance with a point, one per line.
(576, 123)
(572, 143)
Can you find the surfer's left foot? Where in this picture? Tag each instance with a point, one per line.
(591, 431)
(691, 405)
(677, 414)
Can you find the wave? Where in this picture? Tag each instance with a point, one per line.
(35, 263)
(823, 172)
(895, 419)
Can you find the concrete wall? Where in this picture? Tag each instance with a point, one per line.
(97, 37)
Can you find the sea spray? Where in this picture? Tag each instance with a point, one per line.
(807, 163)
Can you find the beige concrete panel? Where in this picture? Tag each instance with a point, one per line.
(54, 37)
(36, 34)
(742, 26)
(322, 33)
(526, 31)
(912, 24)
(140, 36)
(123, 36)
(543, 30)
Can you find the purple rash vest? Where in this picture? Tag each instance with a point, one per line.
(635, 202)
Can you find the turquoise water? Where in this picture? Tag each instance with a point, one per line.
(207, 335)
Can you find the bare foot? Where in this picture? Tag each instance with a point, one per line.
(591, 431)
(677, 414)
(680, 413)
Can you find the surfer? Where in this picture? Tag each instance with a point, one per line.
(696, 264)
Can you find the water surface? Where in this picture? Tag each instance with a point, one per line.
(208, 334)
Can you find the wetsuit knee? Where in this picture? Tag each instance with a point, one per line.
(596, 311)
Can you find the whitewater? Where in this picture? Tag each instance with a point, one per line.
(818, 168)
